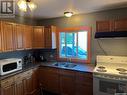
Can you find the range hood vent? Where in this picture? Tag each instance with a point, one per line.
(112, 34)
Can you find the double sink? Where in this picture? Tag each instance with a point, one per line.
(64, 64)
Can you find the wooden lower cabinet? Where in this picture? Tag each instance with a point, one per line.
(19, 88)
(35, 82)
(84, 83)
(21, 84)
(49, 79)
(67, 82)
(7, 87)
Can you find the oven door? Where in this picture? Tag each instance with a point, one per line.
(103, 86)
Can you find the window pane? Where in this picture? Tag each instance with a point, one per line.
(82, 44)
(70, 44)
(62, 44)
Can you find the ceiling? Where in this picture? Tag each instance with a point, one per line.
(56, 8)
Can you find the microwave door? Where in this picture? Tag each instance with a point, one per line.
(8, 68)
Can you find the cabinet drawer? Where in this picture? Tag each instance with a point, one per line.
(28, 73)
(49, 70)
(7, 82)
(67, 73)
(84, 78)
(19, 77)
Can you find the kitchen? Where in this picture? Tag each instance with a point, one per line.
(43, 71)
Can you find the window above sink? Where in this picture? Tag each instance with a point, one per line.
(74, 44)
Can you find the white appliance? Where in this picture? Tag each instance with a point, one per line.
(10, 65)
(110, 76)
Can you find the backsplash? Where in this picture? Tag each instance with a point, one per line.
(15, 54)
(48, 54)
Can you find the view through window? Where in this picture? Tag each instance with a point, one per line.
(74, 45)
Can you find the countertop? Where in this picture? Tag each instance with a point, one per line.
(79, 67)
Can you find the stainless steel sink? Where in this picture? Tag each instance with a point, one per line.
(70, 65)
(59, 64)
(64, 64)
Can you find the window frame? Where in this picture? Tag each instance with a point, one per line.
(74, 29)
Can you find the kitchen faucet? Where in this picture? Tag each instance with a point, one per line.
(68, 60)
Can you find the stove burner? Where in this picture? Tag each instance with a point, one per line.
(121, 69)
(101, 69)
(124, 73)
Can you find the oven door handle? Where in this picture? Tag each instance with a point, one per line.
(110, 78)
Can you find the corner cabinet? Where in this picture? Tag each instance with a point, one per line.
(49, 79)
(50, 37)
(38, 37)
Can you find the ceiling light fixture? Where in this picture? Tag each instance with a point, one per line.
(24, 4)
(68, 14)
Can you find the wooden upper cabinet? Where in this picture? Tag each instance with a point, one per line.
(50, 37)
(38, 37)
(27, 37)
(1, 38)
(7, 29)
(120, 25)
(19, 29)
(104, 26)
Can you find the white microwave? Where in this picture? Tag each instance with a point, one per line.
(10, 65)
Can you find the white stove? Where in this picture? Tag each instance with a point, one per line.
(110, 75)
(111, 65)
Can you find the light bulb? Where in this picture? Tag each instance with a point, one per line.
(32, 6)
(68, 14)
(22, 5)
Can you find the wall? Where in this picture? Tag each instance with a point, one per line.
(108, 47)
(21, 20)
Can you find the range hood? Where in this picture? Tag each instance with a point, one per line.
(112, 34)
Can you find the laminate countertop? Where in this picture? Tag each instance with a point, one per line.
(79, 67)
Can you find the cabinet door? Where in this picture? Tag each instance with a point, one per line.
(35, 82)
(19, 29)
(7, 90)
(83, 89)
(19, 84)
(84, 83)
(67, 82)
(19, 88)
(8, 36)
(49, 79)
(27, 40)
(1, 38)
(7, 87)
(27, 82)
(120, 25)
(38, 37)
(50, 37)
(104, 26)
